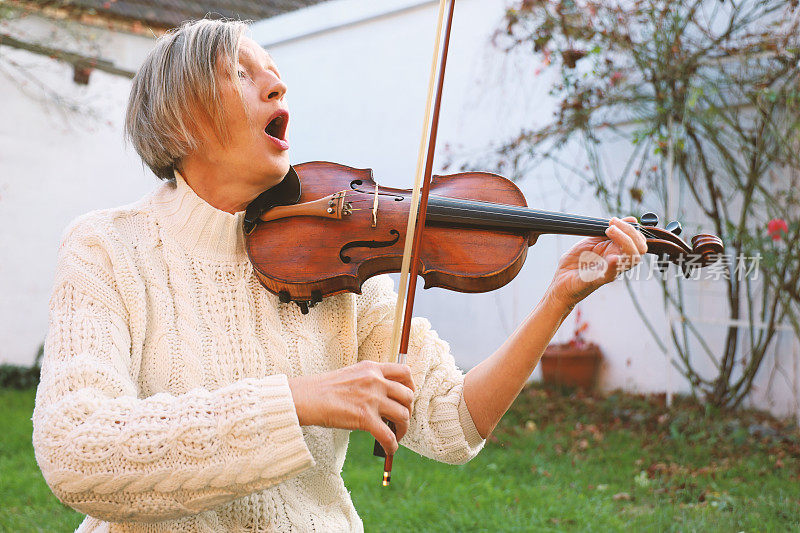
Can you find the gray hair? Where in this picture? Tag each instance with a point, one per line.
(176, 82)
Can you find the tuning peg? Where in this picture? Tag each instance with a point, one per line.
(649, 219)
(674, 227)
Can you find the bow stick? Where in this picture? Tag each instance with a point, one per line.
(419, 205)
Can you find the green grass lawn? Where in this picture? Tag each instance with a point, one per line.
(559, 461)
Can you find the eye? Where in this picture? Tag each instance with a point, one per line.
(243, 75)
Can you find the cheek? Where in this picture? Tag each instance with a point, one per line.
(236, 116)
(240, 124)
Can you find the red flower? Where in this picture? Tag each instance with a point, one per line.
(776, 227)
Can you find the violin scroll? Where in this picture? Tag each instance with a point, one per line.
(705, 249)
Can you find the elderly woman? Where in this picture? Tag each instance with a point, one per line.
(179, 395)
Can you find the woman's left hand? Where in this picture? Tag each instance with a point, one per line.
(595, 261)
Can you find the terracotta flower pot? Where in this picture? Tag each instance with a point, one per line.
(573, 365)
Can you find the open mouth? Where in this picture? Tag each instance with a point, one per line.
(276, 128)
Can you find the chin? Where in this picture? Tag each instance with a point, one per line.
(283, 167)
(275, 171)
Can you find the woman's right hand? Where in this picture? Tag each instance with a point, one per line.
(359, 396)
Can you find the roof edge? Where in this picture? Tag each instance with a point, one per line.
(90, 17)
(326, 17)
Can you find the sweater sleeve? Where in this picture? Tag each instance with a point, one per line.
(107, 452)
(441, 426)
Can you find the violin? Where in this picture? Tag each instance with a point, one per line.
(327, 228)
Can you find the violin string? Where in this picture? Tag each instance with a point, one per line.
(549, 216)
(577, 222)
(453, 203)
(573, 222)
(478, 205)
(457, 202)
(524, 213)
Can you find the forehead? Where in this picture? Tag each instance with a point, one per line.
(249, 50)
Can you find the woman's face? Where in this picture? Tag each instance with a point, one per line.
(256, 152)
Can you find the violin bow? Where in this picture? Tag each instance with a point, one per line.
(419, 203)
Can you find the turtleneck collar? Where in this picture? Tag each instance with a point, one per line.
(203, 230)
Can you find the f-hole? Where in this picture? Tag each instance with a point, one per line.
(368, 244)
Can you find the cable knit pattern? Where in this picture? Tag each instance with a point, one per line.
(441, 427)
(164, 403)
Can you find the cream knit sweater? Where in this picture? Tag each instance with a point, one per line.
(164, 403)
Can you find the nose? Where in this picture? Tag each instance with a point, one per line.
(274, 88)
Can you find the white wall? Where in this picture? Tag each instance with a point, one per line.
(55, 165)
(356, 96)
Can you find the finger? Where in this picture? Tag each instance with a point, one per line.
(382, 434)
(397, 413)
(629, 230)
(629, 253)
(618, 232)
(638, 236)
(394, 411)
(400, 393)
(399, 373)
(622, 240)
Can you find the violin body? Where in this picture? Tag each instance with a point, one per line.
(327, 228)
(304, 258)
